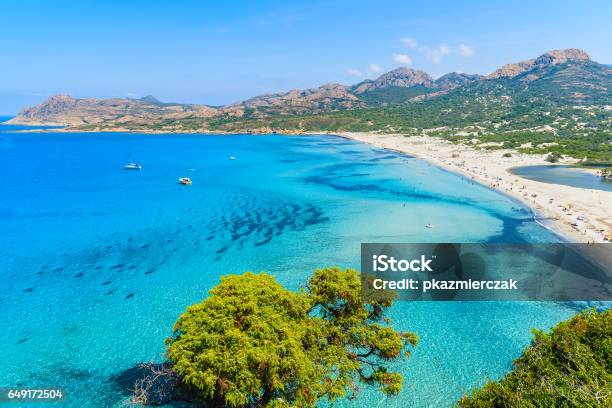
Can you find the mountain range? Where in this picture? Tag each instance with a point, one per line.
(398, 100)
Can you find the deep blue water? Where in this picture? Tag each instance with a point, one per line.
(566, 175)
(97, 262)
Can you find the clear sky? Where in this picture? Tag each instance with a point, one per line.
(220, 52)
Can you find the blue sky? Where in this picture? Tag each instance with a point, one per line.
(221, 52)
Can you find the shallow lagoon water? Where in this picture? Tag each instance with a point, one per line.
(96, 262)
(566, 175)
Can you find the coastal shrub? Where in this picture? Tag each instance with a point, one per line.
(254, 343)
(569, 367)
(552, 158)
(507, 154)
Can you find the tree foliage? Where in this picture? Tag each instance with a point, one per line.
(552, 158)
(570, 367)
(254, 343)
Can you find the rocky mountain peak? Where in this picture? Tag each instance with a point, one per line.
(150, 99)
(61, 98)
(53, 104)
(325, 97)
(548, 59)
(331, 86)
(455, 79)
(400, 77)
(562, 56)
(404, 77)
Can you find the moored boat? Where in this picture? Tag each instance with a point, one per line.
(133, 166)
(186, 181)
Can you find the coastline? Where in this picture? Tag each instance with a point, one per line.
(554, 206)
(488, 168)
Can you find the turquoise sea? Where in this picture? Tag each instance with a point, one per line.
(96, 262)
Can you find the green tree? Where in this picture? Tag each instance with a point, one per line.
(570, 367)
(552, 158)
(254, 343)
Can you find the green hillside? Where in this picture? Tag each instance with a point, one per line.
(561, 108)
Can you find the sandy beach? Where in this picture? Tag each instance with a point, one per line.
(578, 214)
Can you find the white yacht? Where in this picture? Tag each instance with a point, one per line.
(133, 166)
